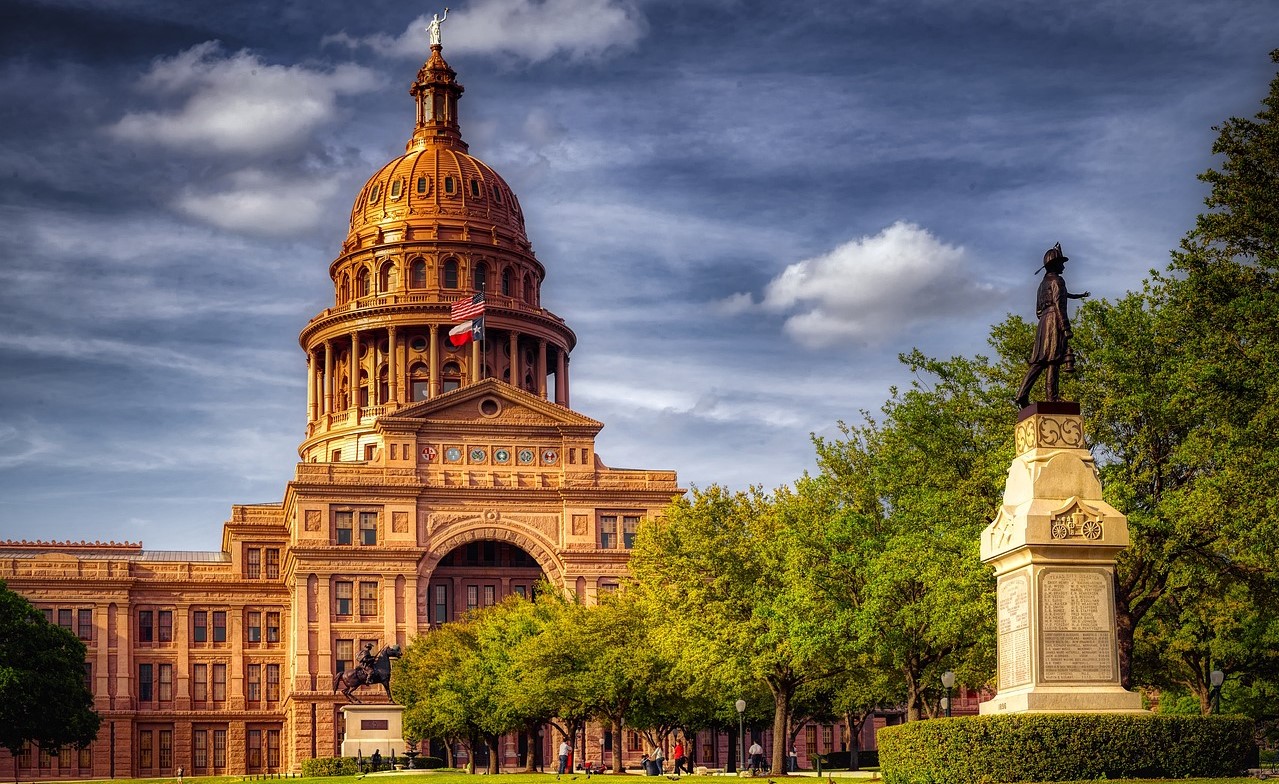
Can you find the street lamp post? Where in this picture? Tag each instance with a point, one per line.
(741, 733)
(1216, 678)
(947, 680)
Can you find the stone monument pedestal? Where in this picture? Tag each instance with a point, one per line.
(372, 728)
(1053, 545)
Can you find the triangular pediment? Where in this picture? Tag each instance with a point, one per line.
(492, 403)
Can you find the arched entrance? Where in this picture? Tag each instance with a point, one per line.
(479, 573)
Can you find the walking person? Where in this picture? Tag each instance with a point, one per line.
(658, 759)
(757, 757)
(563, 754)
(681, 758)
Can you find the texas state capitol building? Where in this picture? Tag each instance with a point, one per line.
(432, 480)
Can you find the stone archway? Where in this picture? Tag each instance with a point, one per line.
(530, 533)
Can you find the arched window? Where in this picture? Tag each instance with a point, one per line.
(417, 274)
(419, 382)
(344, 289)
(362, 283)
(508, 282)
(383, 386)
(364, 388)
(384, 278)
(450, 274)
(528, 290)
(451, 375)
(481, 277)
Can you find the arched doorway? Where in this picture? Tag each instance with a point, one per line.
(479, 573)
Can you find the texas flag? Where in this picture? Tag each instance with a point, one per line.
(466, 332)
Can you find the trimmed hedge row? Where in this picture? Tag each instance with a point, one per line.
(329, 766)
(1064, 747)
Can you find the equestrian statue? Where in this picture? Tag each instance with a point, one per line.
(369, 668)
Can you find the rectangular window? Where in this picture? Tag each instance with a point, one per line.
(146, 626)
(273, 749)
(472, 597)
(166, 683)
(273, 683)
(88, 675)
(254, 626)
(342, 597)
(199, 682)
(252, 563)
(344, 654)
(219, 683)
(255, 749)
(633, 741)
(166, 749)
(219, 748)
(219, 625)
(608, 531)
(828, 738)
(200, 626)
(253, 682)
(520, 591)
(368, 528)
(368, 599)
(490, 595)
(273, 627)
(441, 604)
(145, 759)
(810, 739)
(48, 614)
(200, 749)
(84, 625)
(370, 450)
(64, 619)
(165, 625)
(272, 563)
(45, 759)
(86, 760)
(630, 524)
(342, 526)
(145, 693)
(64, 757)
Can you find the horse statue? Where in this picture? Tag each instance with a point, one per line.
(378, 671)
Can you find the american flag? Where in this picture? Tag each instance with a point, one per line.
(471, 308)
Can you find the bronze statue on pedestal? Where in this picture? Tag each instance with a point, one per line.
(1052, 336)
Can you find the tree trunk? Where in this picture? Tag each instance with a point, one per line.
(912, 697)
(493, 742)
(781, 713)
(618, 727)
(731, 763)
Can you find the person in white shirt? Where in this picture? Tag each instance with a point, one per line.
(757, 757)
(563, 754)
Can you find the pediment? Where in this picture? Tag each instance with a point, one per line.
(489, 402)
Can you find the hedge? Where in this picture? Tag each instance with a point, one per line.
(842, 760)
(1064, 747)
(329, 766)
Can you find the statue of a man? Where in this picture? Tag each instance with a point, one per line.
(366, 659)
(1052, 336)
(433, 29)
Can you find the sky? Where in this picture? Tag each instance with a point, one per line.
(746, 211)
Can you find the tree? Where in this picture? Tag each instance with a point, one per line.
(437, 681)
(43, 697)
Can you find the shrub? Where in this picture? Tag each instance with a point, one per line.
(329, 766)
(842, 760)
(429, 763)
(1064, 747)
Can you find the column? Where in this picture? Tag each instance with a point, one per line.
(541, 367)
(328, 377)
(353, 375)
(392, 366)
(410, 606)
(310, 386)
(182, 667)
(435, 360)
(475, 361)
(561, 369)
(300, 628)
(567, 404)
(516, 378)
(324, 614)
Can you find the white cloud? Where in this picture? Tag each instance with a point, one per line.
(532, 30)
(261, 203)
(237, 103)
(873, 287)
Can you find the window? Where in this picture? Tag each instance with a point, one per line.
(253, 682)
(384, 277)
(145, 759)
(342, 525)
(166, 683)
(342, 597)
(272, 563)
(146, 626)
(254, 626)
(608, 588)
(368, 599)
(490, 595)
(200, 749)
(608, 531)
(421, 185)
(528, 289)
(368, 527)
(219, 625)
(417, 274)
(828, 738)
(507, 283)
(472, 597)
(165, 628)
(397, 188)
(145, 692)
(199, 682)
(481, 276)
(86, 759)
(520, 591)
(450, 274)
(810, 739)
(273, 749)
(255, 749)
(219, 683)
(166, 749)
(64, 619)
(630, 524)
(88, 675)
(200, 626)
(252, 563)
(441, 604)
(475, 188)
(362, 283)
(273, 627)
(344, 654)
(48, 614)
(273, 683)
(84, 624)
(374, 192)
(219, 748)
(448, 185)
(64, 757)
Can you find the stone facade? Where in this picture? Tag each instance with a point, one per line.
(433, 479)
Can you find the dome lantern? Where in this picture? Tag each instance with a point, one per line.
(436, 91)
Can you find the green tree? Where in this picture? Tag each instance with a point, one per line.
(43, 697)
(437, 681)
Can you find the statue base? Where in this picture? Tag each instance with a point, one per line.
(370, 728)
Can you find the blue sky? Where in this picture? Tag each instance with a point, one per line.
(746, 211)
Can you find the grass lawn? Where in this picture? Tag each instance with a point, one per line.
(458, 777)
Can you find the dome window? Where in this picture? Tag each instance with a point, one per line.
(397, 189)
(481, 277)
(421, 185)
(475, 188)
(507, 283)
(417, 343)
(448, 185)
(497, 195)
(374, 192)
(384, 278)
(417, 274)
(450, 274)
(362, 283)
